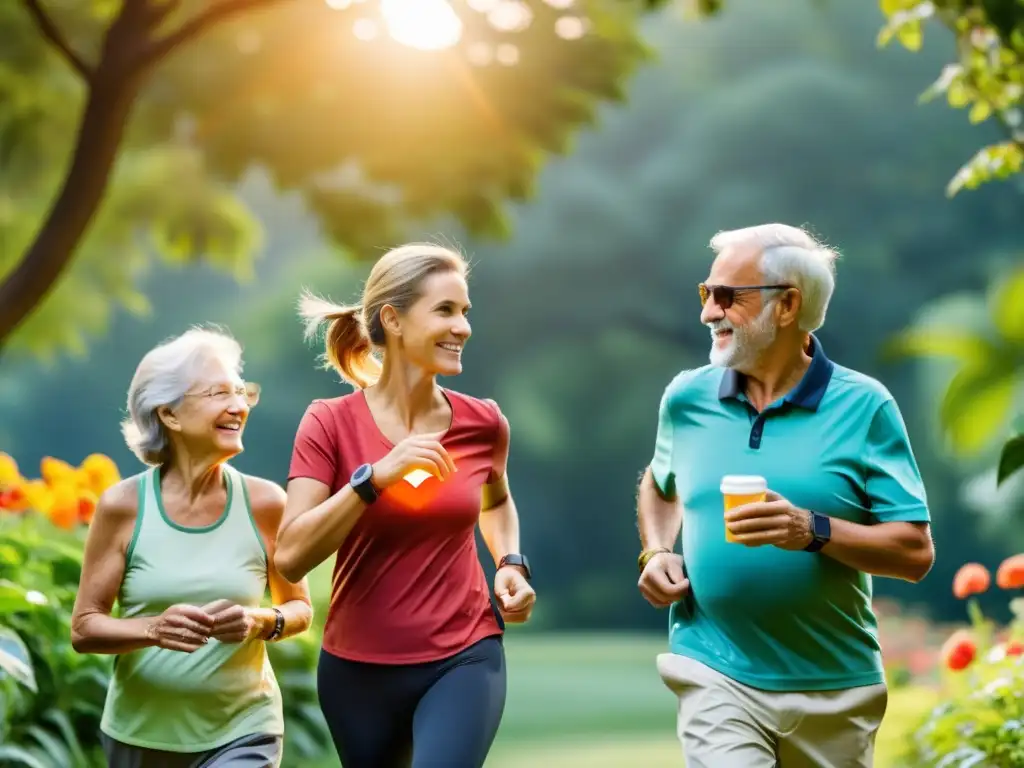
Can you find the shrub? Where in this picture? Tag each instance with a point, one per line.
(51, 697)
(980, 721)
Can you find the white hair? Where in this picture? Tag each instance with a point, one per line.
(163, 377)
(790, 256)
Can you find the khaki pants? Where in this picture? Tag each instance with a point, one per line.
(723, 724)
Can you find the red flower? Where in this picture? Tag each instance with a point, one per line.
(1011, 573)
(971, 579)
(1014, 648)
(959, 650)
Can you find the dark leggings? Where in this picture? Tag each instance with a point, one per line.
(441, 714)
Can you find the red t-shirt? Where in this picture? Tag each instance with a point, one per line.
(408, 586)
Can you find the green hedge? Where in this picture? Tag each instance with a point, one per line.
(51, 697)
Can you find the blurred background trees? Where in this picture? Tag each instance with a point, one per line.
(145, 115)
(583, 167)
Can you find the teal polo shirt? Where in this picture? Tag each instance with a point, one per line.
(836, 444)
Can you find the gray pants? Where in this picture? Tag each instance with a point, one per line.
(256, 751)
(723, 724)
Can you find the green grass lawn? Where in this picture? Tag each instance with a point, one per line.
(596, 700)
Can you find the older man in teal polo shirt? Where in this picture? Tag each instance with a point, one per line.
(774, 645)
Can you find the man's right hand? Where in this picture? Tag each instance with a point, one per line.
(662, 582)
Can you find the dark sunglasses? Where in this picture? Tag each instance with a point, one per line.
(725, 295)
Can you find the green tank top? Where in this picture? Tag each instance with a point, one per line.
(192, 702)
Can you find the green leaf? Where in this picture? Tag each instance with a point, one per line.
(16, 756)
(998, 161)
(15, 659)
(980, 112)
(977, 405)
(1009, 308)
(67, 731)
(910, 36)
(55, 748)
(957, 95)
(12, 598)
(967, 348)
(1012, 456)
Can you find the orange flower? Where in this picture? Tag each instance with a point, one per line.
(86, 507)
(1011, 573)
(959, 650)
(9, 474)
(101, 473)
(55, 471)
(1014, 648)
(14, 499)
(971, 579)
(64, 512)
(39, 496)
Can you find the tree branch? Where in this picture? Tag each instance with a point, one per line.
(50, 32)
(215, 14)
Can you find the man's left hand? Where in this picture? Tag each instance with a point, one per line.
(514, 594)
(773, 521)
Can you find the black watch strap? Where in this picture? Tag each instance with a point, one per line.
(362, 483)
(519, 561)
(821, 531)
(278, 626)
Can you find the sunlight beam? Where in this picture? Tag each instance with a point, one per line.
(428, 25)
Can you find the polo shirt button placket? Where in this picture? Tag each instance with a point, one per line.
(756, 432)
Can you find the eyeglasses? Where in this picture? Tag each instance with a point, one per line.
(725, 295)
(249, 391)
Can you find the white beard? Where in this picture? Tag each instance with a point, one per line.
(747, 342)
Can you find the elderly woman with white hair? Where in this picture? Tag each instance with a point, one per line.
(186, 548)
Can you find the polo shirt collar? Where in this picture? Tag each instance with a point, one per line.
(807, 394)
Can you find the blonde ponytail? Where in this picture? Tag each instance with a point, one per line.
(347, 346)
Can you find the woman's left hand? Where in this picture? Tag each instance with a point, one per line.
(231, 623)
(514, 594)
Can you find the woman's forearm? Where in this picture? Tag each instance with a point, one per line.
(313, 536)
(100, 633)
(298, 615)
(499, 527)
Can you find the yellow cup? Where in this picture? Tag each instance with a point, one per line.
(742, 489)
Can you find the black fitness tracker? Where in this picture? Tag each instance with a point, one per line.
(821, 530)
(519, 561)
(362, 483)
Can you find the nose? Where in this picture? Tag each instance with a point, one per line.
(462, 328)
(237, 404)
(711, 312)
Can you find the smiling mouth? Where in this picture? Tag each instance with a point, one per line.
(453, 348)
(235, 428)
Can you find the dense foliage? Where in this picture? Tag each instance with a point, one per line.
(51, 697)
(114, 151)
(767, 114)
(986, 76)
(980, 721)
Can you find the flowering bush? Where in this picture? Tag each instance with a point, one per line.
(51, 697)
(67, 495)
(981, 719)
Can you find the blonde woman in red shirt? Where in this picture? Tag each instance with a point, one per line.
(394, 478)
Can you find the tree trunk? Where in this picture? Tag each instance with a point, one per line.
(99, 137)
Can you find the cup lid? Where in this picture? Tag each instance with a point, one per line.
(744, 484)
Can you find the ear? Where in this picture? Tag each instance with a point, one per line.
(168, 419)
(789, 305)
(389, 320)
